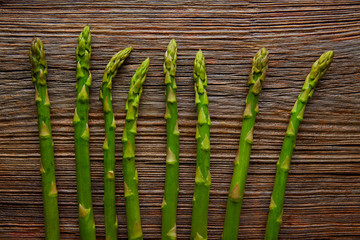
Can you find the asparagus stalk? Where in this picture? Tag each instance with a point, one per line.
(81, 132)
(241, 163)
(128, 139)
(318, 69)
(202, 176)
(111, 223)
(169, 204)
(47, 166)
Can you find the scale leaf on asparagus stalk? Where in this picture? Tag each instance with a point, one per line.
(169, 204)
(82, 136)
(318, 69)
(111, 222)
(202, 175)
(128, 139)
(47, 165)
(241, 163)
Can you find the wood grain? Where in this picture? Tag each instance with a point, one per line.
(323, 191)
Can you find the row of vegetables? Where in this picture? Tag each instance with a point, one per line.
(202, 175)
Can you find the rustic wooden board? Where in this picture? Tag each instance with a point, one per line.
(323, 191)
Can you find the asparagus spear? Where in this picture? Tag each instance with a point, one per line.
(202, 176)
(47, 166)
(318, 69)
(111, 223)
(241, 163)
(128, 139)
(81, 130)
(169, 204)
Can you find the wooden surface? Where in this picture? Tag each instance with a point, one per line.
(323, 191)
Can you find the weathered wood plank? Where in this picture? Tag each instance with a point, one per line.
(323, 192)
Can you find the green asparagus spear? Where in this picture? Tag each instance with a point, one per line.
(81, 130)
(128, 139)
(47, 166)
(318, 69)
(169, 204)
(202, 176)
(111, 223)
(241, 163)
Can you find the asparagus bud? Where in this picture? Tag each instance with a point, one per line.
(241, 163)
(318, 69)
(47, 166)
(202, 175)
(111, 222)
(169, 203)
(129, 170)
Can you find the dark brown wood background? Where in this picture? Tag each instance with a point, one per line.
(323, 191)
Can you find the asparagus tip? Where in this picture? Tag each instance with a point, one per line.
(329, 54)
(261, 58)
(200, 69)
(36, 49)
(199, 55)
(146, 62)
(36, 42)
(116, 61)
(129, 49)
(320, 67)
(86, 29)
(172, 45)
(123, 53)
(263, 51)
(144, 67)
(326, 59)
